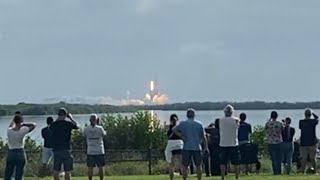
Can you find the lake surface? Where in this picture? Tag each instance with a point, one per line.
(255, 117)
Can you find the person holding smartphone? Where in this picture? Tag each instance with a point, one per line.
(308, 140)
(61, 135)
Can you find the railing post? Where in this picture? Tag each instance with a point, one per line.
(150, 160)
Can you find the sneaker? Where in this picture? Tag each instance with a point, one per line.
(62, 174)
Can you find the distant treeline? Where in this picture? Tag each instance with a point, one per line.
(49, 109)
(46, 109)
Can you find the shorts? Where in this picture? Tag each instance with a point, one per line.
(177, 152)
(47, 155)
(96, 161)
(62, 157)
(195, 155)
(307, 152)
(230, 154)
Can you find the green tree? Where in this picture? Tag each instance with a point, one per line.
(259, 137)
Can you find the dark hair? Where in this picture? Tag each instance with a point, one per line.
(173, 119)
(216, 123)
(18, 113)
(308, 113)
(288, 120)
(49, 120)
(17, 119)
(274, 115)
(191, 113)
(243, 116)
(98, 121)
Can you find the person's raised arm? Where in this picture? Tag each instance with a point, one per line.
(74, 123)
(104, 132)
(11, 124)
(31, 126)
(315, 116)
(177, 131)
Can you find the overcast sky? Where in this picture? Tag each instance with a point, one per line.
(204, 50)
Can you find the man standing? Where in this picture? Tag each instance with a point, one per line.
(308, 141)
(245, 132)
(95, 150)
(229, 126)
(47, 152)
(192, 133)
(61, 133)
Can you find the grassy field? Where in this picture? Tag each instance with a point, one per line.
(260, 177)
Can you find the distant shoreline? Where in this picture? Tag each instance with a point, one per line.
(49, 109)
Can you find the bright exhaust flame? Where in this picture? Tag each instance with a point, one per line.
(154, 96)
(151, 85)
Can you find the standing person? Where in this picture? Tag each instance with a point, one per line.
(95, 146)
(61, 134)
(214, 148)
(229, 144)
(192, 133)
(16, 158)
(308, 141)
(174, 147)
(47, 152)
(287, 145)
(245, 132)
(274, 138)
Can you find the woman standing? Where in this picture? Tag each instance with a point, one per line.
(174, 147)
(287, 145)
(274, 138)
(16, 158)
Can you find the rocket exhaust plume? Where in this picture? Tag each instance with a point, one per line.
(154, 96)
(151, 85)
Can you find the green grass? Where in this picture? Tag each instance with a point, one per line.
(162, 177)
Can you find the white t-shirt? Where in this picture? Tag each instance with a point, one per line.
(94, 136)
(16, 138)
(229, 131)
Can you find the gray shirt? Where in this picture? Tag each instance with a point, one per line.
(193, 133)
(94, 136)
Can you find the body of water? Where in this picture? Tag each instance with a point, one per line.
(254, 117)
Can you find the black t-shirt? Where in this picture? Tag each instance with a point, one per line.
(308, 132)
(288, 134)
(214, 137)
(61, 133)
(47, 136)
(170, 132)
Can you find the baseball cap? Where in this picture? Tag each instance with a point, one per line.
(62, 111)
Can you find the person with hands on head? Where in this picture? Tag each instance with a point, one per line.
(192, 133)
(16, 158)
(61, 135)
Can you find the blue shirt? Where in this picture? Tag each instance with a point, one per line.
(244, 131)
(193, 133)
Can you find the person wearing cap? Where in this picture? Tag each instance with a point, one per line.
(61, 135)
(229, 143)
(95, 146)
(192, 134)
(308, 140)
